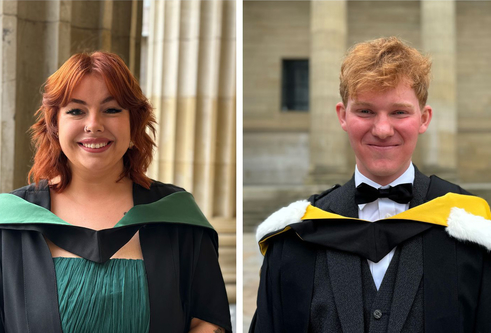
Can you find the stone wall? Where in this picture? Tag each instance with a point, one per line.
(474, 91)
(271, 29)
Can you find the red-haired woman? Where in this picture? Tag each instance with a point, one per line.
(94, 245)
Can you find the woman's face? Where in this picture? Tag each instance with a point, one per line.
(94, 131)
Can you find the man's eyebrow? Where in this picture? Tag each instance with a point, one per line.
(359, 103)
(79, 101)
(403, 105)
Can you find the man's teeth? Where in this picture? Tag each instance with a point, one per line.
(94, 145)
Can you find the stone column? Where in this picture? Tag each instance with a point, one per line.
(186, 93)
(162, 74)
(206, 111)
(224, 193)
(328, 142)
(38, 36)
(224, 171)
(191, 84)
(438, 35)
(8, 21)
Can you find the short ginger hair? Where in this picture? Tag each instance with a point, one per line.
(380, 65)
(49, 160)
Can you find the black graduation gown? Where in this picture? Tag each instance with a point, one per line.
(180, 251)
(456, 274)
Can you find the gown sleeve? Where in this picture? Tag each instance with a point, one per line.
(209, 298)
(483, 323)
(267, 315)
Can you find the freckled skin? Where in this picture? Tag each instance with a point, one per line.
(383, 129)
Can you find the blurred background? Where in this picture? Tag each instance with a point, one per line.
(293, 144)
(183, 53)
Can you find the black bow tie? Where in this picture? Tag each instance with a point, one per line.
(402, 193)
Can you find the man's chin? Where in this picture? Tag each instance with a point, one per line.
(385, 173)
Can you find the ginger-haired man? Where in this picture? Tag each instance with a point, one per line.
(390, 250)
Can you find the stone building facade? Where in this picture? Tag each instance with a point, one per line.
(287, 149)
(189, 71)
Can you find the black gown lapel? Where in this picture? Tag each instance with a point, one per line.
(440, 276)
(31, 302)
(297, 284)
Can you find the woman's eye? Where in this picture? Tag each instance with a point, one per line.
(74, 112)
(113, 110)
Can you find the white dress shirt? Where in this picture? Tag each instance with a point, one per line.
(381, 209)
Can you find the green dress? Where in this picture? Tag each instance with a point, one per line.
(109, 297)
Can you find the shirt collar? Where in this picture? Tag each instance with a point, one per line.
(406, 177)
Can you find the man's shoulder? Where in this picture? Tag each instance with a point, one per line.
(323, 195)
(439, 187)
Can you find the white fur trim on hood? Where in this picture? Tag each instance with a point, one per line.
(281, 218)
(468, 227)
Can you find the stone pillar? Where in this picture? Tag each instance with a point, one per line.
(38, 36)
(191, 84)
(224, 172)
(186, 93)
(224, 193)
(438, 144)
(8, 21)
(207, 96)
(155, 74)
(328, 142)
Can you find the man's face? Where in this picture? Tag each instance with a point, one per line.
(383, 129)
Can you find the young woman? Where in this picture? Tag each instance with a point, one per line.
(94, 245)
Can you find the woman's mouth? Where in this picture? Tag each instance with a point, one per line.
(95, 147)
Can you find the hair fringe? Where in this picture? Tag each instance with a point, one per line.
(381, 64)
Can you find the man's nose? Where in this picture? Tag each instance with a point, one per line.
(382, 127)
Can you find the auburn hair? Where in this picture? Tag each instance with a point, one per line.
(380, 65)
(49, 159)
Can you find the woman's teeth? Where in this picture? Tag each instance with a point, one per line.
(95, 145)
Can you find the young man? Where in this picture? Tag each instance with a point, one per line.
(424, 266)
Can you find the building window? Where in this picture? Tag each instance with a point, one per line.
(295, 85)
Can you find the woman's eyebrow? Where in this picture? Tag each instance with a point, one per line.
(79, 101)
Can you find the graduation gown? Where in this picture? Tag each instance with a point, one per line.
(179, 246)
(456, 269)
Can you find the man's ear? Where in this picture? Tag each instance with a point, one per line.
(341, 112)
(426, 115)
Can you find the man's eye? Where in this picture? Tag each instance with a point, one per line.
(113, 110)
(74, 112)
(400, 112)
(365, 111)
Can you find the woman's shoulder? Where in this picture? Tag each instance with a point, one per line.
(157, 191)
(165, 188)
(35, 193)
(25, 191)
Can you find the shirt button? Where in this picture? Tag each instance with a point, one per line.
(377, 314)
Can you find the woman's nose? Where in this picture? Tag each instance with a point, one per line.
(94, 123)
